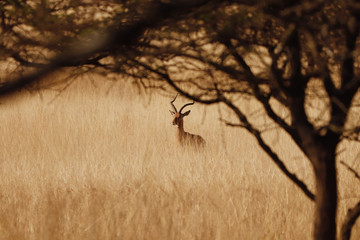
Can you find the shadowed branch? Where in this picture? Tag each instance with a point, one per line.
(352, 213)
(257, 134)
(114, 36)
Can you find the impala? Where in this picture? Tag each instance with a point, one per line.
(185, 138)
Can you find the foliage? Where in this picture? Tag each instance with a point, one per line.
(299, 55)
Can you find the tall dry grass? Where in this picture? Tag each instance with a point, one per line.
(103, 163)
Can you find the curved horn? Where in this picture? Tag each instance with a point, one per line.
(172, 104)
(185, 106)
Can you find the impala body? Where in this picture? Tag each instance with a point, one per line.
(185, 138)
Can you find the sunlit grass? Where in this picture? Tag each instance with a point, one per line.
(97, 165)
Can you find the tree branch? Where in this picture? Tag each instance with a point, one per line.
(352, 214)
(350, 219)
(246, 124)
(261, 97)
(357, 176)
(168, 79)
(321, 63)
(115, 36)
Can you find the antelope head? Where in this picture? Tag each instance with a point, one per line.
(178, 115)
(185, 138)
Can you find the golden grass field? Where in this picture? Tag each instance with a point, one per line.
(102, 162)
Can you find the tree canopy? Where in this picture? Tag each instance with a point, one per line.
(300, 56)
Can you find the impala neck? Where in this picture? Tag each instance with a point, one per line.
(181, 126)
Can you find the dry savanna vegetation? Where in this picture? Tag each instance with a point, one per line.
(101, 161)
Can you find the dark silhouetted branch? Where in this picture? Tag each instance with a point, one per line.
(115, 36)
(357, 176)
(349, 221)
(352, 213)
(244, 123)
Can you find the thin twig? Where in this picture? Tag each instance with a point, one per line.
(357, 176)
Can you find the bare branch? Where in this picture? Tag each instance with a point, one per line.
(350, 219)
(167, 78)
(257, 134)
(357, 176)
(262, 98)
(324, 72)
(115, 36)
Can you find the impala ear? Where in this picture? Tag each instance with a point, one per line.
(172, 112)
(186, 113)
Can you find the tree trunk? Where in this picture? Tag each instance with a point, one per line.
(326, 197)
